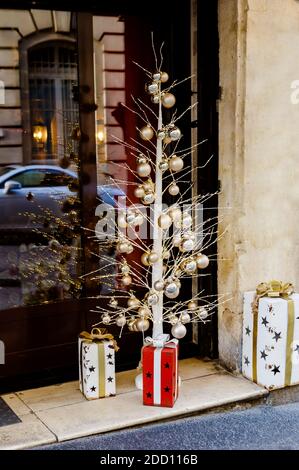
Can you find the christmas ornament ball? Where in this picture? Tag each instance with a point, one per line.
(152, 299)
(121, 321)
(152, 88)
(123, 247)
(178, 330)
(142, 324)
(173, 189)
(155, 99)
(203, 313)
(148, 198)
(173, 319)
(163, 165)
(172, 290)
(189, 266)
(157, 76)
(164, 221)
(185, 317)
(164, 77)
(146, 133)
(153, 257)
(168, 100)
(126, 280)
(133, 302)
(202, 261)
(175, 133)
(159, 285)
(176, 163)
(144, 259)
(192, 305)
(161, 134)
(139, 192)
(143, 169)
(144, 311)
(106, 319)
(187, 245)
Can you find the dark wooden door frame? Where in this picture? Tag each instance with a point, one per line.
(76, 312)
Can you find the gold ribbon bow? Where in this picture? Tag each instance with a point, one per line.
(97, 336)
(274, 289)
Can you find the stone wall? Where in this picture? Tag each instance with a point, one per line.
(258, 155)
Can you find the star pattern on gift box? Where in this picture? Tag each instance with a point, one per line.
(247, 331)
(166, 365)
(85, 349)
(263, 354)
(149, 395)
(277, 336)
(109, 356)
(148, 375)
(246, 360)
(93, 388)
(297, 348)
(264, 321)
(166, 389)
(275, 369)
(110, 379)
(110, 363)
(270, 308)
(92, 369)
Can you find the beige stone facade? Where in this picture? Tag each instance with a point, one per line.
(258, 154)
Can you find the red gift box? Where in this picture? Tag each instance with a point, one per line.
(160, 373)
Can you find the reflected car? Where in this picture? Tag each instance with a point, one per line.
(33, 189)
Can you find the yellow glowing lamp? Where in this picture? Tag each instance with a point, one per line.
(40, 134)
(100, 134)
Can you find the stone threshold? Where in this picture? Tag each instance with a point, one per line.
(60, 412)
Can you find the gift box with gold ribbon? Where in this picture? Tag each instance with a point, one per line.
(97, 364)
(270, 355)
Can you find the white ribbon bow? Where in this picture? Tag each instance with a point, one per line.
(161, 341)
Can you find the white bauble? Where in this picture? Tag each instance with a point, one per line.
(172, 290)
(148, 198)
(143, 169)
(168, 100)
(130, 218)
(175, 213)
(202, 261)
(139, 192)
(185, 317)
(155, 99)
(173, 189)
(176, 163)
(161, 134)
(156, 76)
(146, 133)
(187, 245)
(130, 249)
(187, 220)
(203, 313)
(176, 240)
(178, 330)
(123, 247)
(152, 299)
(153, 257)
(163, 165)
(121, 321)
(125, 269)
(164, 221)
(164, 77)
(142, 324)
(189, 266)
(159, 285)
(175, 133)
(152, 88)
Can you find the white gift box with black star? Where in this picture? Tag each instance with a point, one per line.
(96, 369)
(270, 355)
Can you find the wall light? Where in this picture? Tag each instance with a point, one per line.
(40, 134)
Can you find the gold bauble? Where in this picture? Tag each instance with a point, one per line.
(146, 133)
(192, 305)
(168, 100)
(144, 259)
(126, 280)
(139, 192)
(142, 324)
(133, 302)
(164, 77)
(144, 311)
(121, 321)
